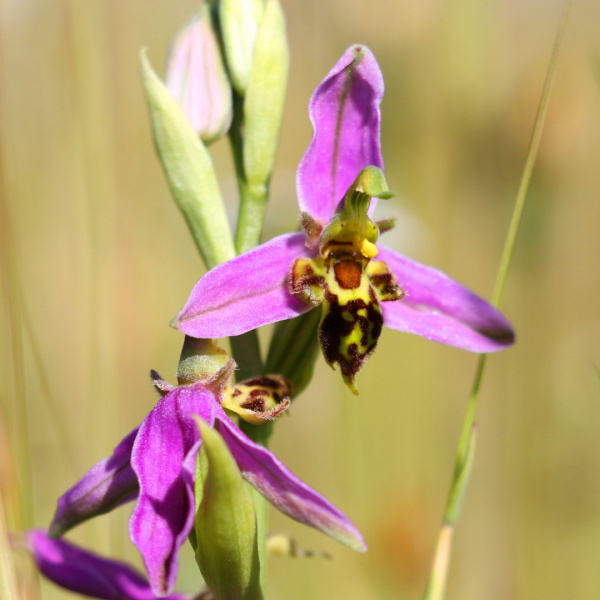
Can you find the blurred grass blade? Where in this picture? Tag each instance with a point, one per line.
(439, 573)
(436, 587)
(8, 577)
(189, 171)
(466, 446)
(532, 153)
(460, 481)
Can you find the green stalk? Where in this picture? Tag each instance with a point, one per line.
(246, 348)
(253, 199)
(466, 447)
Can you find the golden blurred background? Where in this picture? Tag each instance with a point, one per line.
(96, 261)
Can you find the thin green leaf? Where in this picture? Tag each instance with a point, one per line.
(466, 447)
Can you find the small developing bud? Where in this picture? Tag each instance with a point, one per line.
(240, 21)
(265, 96)
(260, 399)
(197, 78)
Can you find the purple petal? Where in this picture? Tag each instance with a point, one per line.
(246, 292)
(105, 486)
(164, 460)
(440, 309)
(86, 573)
(344, 111)
(263, 470)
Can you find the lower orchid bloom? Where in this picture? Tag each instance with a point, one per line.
(157, 463)
(332, 262)
(86, 573)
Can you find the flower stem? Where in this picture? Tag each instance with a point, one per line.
(466, 447)
(246, 348)
(253, 199)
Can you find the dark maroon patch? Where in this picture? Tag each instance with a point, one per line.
(335, 244)
(386, 284)
(348, 274)
(266, 381)
(305, 277)
(257, 405)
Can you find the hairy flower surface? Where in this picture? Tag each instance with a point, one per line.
(157, 461)
(331, 263)
(86, 573)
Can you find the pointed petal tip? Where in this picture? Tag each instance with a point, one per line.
(270, 477)
(502, 338)
(359, 545)
(350, 536)
(55, 530)
(442, 310)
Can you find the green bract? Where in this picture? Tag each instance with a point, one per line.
(189, 171)
(226, 551)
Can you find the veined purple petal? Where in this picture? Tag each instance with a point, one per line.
(344, 110)
(246, 292)
(264, 471)
(87, 573)
(164, 460)
(105, 486)
(440, 309)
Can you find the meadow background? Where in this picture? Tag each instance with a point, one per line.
(96, 261)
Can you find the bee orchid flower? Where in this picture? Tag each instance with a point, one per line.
(335, 261)
(157, 464)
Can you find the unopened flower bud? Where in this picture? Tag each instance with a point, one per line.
(265, 96)
(197, 78)
(240, 21)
